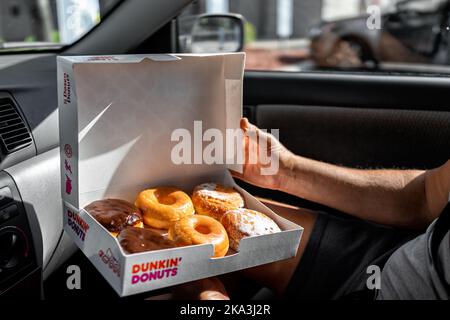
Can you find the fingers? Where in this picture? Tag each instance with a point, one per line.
(256, 141)
(247, 127)
(204, 289)
(245, 177)
(253, 139)
(236, 174)
(212, 289)
(252, 131)
(213, 295)
(244, 124)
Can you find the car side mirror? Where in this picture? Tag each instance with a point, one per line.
(213, 33)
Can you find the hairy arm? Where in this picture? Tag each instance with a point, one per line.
(401, 198)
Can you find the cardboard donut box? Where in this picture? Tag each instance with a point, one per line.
(117, 115)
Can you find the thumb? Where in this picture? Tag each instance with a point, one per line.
(236, 174)
(246, 126)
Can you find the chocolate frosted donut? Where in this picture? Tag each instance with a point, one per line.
(115, 214)
(134, 240)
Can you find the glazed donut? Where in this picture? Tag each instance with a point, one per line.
(163, 206)
(134, 240)
(115, 214)
(198, 229)
(242, 223)
(211, 199)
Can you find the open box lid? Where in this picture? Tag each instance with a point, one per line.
(119, 115)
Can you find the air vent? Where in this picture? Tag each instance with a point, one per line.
(14, 133)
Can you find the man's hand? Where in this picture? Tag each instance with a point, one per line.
(253, 164)
(398, 198)
(205, 289)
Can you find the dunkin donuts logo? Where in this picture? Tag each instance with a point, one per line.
(111, 261)
(68, 150)
(67, 88)
(78, 225)
(68, 168)
(155, 270)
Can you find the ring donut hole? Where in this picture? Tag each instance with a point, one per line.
(201, 228)
(165, 198)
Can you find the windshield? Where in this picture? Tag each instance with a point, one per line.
(44, 24)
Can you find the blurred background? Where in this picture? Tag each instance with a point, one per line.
(286, 35)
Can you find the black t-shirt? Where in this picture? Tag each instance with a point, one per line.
(420, 269)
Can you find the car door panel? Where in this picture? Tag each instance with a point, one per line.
(359, 137)
(355, 90)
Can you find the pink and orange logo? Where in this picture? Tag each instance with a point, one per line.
(78, 225)
(111, 261)
(155, 270)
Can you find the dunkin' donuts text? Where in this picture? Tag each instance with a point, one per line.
(154, 270)
(78, 225)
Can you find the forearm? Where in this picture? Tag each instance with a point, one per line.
(437, 186)
(391, 197)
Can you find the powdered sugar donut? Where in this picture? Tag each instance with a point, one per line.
(242, 223)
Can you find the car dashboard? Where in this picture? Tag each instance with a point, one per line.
(32, 242)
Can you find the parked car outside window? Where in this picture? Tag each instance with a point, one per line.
(344, 35)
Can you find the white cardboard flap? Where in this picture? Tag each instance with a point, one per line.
(121, 152)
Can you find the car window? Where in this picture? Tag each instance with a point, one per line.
(43, 24)
(406, 36)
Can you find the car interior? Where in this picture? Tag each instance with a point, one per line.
(357, 119)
